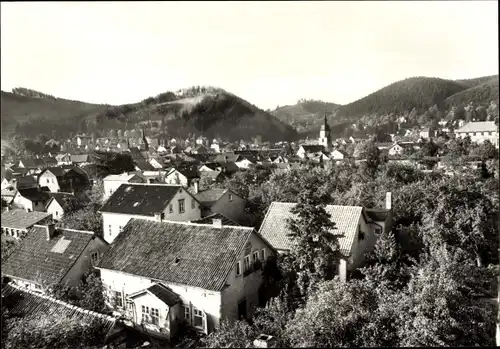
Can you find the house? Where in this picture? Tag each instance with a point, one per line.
(246, 162)
(215, 218)
(199, 273)
(427, 133)
(20, 182)
(48, 255)
(66, 178)
(212, 176)
(199, 149)
(479, 132)
(227, 157)
(183, 175)
(62, 203)
(112, 182)
(223, 201)
(17, 221)
(337, 154)
(27, 163)
(400, 148)
(307, 149)
(23, 302)
(143, 165)
(157, 162)
(83, 140)
(32, 199)
(215, 147)
(80, 159)
(147, 201)
(50, 161)
(358, 230)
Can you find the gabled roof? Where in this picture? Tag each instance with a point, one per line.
(312, 148)
(33, 194)
(212, 174)
(124, 177)
(28, 162)
(143, 165)
(46, 261)
(274, 228)
(20, 219)
(205, 255)
(65, 200)
(478, 126)
(210, 196)
(230, 157)
(21, 302)
(140, 199)
(209, 220)
(162, 292)
(189, 172)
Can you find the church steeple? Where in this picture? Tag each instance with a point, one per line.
(324, 134)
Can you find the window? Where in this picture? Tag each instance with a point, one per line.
(57, 213)
(144, 313)
(118, 299)
(48, 181)
(187, 313)
(94, 258)
(36, 203)
(170, 208)
(255, 256)
(230, 197)
(192, 204)
(238, 268)
(120, 228)
(247, 262)
(155, 316)
(198, 318)
(263, 254)
(37, 286)
(361, 235)
(130, 305)
(181, 206)
(378, 230)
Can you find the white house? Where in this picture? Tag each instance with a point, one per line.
(147, 201)
(182, 176)
(223, 201)
(17, 221)
(50, 255)
(161, 273)
(244, 163)
(308, 149)
(62, 203)
(358, 228)
(215, 147)
(112, 182)
(400, 147)
(479, 132)
(338, 155)
(31, 199)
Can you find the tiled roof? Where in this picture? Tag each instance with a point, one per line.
(80, 158)
(231, 157)
(377, 214)
(163, 293)
(209, 220)
(212, 174)
(46, 261)
(120, 177)
(312, 148)
(28, 162)
(20, 219)
(21, 302)
(478, 126)
(143, 165)
(209, 196)
(140, 199)
(33, 194)
(274, 227)
(205, 255)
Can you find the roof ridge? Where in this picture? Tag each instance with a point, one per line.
(196, 224)
(327, 205)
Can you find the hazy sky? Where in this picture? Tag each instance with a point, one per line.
(270, 53)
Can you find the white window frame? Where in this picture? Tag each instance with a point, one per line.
(378, 230)
(115, 294)
(120, 228)
(246, 262)
(187, 313)
(255, 256)
(199, 313)
(145, 314)
(94, 258)
(154, 316)
(109, 230)
(182, 206)
(238, 268)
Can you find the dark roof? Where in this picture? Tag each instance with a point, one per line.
(46, 262)
(312, 148)
(59, 171)
(25, 181)
(212, 174)
(28, 162)
(190, 172)
(39, 162)
(163, 293)
(33, 194)
(20, 219)
(377, 214)
(205, 254)
(140, 199)
(209, 196)
(209, 220)
(79, 158)
(21, 302)
(65, 200)
(231, 157)
(143, 165)
(50, 161)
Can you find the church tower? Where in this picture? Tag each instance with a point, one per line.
(324, 135)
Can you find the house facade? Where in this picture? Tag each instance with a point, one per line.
(112, 182)
(182, 266)
(479, 132)
(223, 201)
(156, 202)
(62, 179)
(15, 222)
(31, 199)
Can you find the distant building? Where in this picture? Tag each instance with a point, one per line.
(17, 221)
(479, 132)
(113, 182)
(325, 139)
(306, 150)
(223, 201)
(427, 132)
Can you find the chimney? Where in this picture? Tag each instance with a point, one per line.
(51, 228)
(217, 223)
(159, 216)
(264, 341)
(196, 187)
(225, 159)
(388, 200)
(8, 208)
(150, 180)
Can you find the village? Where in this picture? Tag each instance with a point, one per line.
(174, 246)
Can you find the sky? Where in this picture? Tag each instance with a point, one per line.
(269, 53)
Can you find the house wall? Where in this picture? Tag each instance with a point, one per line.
(172, 179)
(244, 287)
(110, 186)
(48, 179)
(55, 210)
(206, 300)
(147, 300)
(83, 262)
(360, 247)
(113, 221)
(234, 210)
(24, 203)
(480, 137)
(245, 163)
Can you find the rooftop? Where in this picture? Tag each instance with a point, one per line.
(204, 254)
(46, 261)
(478, 126)
(209, 196)
(20, 219)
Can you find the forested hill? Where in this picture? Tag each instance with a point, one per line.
(200, 110)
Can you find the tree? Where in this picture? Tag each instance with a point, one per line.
(238, 334)
(369, 151)
(86, 218)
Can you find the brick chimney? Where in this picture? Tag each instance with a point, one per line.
(388, 200)
(264, 341)
(217, 223)
(50, 228)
